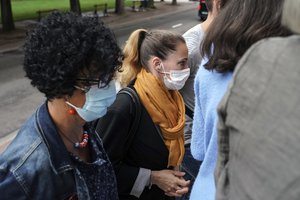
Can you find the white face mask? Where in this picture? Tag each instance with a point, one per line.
(97, 100)
(176, 79)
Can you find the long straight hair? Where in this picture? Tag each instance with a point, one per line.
(240, 24)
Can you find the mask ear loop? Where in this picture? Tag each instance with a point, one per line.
(70, 110)
(162, 69)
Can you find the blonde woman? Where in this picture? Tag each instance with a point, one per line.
(155, 66)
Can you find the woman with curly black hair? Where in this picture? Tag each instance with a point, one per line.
(56, 155)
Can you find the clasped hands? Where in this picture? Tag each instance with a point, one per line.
(171, 182)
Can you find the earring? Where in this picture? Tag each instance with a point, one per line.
(71, 111)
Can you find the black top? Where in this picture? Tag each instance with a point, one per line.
(147, 149)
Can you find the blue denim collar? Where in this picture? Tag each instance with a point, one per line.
(58, 154)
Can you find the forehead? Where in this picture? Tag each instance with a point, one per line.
(180, 53)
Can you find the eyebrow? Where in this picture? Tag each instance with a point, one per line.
(182, 60)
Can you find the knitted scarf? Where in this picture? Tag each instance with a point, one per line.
(166, 108)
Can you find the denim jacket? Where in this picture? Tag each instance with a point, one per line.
(36, 165)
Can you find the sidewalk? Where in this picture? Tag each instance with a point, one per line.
(13, 41)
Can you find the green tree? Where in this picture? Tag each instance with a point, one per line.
(75, 6)
(7, 16)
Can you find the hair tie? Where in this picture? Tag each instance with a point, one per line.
(142, 37)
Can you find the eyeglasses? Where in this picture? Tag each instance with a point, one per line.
(85, 89)
(91, 81)
(88, 83)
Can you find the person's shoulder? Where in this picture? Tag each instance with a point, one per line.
(196, 28)
(193, 38)
(273, 46)
(270, 50)
(22, 147)
(268, 56)
(295, 39)
(123, 102)
(23, 152)
(194, 31)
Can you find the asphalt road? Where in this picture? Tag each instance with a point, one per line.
(19, 99)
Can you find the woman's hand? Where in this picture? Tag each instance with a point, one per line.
(170, 181)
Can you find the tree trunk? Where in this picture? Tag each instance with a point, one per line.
(151, 4)
(174, 2)
(75, 6)
(119, 7)
(7, 16)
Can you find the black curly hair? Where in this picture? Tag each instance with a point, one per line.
(65, 46)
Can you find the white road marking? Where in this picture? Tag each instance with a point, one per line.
(176, 25)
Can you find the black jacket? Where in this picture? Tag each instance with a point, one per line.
(147, 149)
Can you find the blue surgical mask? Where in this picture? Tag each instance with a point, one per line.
(97, 100)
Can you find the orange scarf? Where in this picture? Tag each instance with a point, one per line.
(166, 108)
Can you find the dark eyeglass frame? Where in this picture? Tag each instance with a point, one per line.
(91, 81)
(85, 89)
(88, 83)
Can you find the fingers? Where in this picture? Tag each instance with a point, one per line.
(172, 182)
(173, 194)
(176, 190)
(177, 187)
(183, 183)
(177, 193)
(182, 191)
(178, 173)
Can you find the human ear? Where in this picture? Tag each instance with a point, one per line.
(156, 63)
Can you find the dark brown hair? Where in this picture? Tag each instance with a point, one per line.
(240, 24)
(209, 4)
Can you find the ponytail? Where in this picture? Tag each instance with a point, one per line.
(131, 64)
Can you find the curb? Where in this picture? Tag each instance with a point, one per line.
(16, 48)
